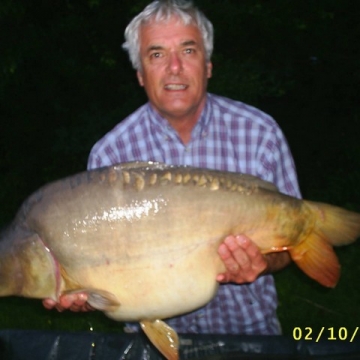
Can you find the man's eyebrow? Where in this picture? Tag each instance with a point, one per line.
(154, 47)
(189, 43)
(160, 47)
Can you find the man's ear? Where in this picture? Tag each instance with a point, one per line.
(140, 78)
(209, 69)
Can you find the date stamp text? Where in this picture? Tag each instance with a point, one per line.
(327, 333)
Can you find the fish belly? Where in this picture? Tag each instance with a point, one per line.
(182, 283)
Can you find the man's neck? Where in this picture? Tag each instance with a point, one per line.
(184, 124)
(184, 127)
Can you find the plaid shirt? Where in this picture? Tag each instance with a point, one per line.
(229, 136)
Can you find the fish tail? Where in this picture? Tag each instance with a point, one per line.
(334, 226)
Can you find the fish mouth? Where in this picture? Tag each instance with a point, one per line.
(175, 87)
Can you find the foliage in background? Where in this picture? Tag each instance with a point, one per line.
(65, 82)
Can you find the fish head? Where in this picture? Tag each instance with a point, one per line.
(27, 267)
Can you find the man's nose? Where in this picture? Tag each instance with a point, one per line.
(175, 63)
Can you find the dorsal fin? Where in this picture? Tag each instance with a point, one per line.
(246, 179)
(134, 165)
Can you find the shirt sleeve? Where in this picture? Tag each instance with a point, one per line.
(278, 164)
(104, 152)
(94, 161)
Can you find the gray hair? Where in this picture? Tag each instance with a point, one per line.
(164, 10)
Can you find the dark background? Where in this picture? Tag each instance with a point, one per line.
(65, 82)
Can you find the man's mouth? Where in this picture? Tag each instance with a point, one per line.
(175, 87)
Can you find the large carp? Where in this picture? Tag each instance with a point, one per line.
(141, 239)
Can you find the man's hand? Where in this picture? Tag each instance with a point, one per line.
(245, 263)
(243, 260)
(74, 302)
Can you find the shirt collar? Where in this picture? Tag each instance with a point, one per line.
(162, 125)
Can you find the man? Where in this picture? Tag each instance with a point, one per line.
(170, 45)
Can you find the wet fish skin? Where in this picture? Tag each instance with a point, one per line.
(141, 239)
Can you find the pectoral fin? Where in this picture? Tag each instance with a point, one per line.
(163, 337)
(98, 299)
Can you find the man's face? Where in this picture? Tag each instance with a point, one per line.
(174, 68)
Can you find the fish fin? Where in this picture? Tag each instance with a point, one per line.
(163, 337)
(316, 257)
(337, 225)
(133, 165)
(333, 226)
(98, 299)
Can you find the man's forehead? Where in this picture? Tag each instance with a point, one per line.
(156, 33)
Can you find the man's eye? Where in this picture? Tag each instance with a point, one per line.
(189, 51)
(155, 55)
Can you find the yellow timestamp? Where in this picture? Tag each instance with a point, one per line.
(327, 333)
